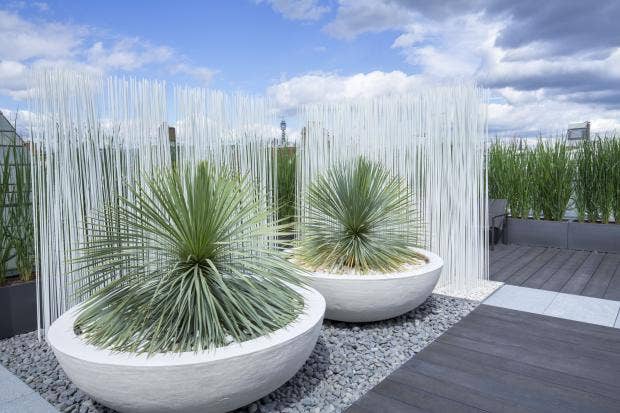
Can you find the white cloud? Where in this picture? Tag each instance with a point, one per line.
(127, 54)
(12, 75)
(535, 90)
(329, 87)
(203, 74)
(24, 40)
(360, 16)
(298, 9)
(40, 43)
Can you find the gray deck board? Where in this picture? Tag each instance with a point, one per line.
(497, 359)
(578, 281)
(613, 288)
(597, 286)
(593, 274)
(544, 274)
(520, 276)
(501, 273)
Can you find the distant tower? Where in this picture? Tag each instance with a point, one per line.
(283, 127)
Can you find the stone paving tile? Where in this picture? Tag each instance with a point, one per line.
(585, 309)
(17, 396)
(30, 403)
(530, 300)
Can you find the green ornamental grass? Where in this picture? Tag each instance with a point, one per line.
(22, 223)
(6, 215)
(359, 218)
(614, 148)
(508, 176)
(584, 181)
(286, 163)
(552, 178)
(184, 266)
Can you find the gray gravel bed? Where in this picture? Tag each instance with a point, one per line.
(349, 360)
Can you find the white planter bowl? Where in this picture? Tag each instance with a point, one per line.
(217, 380)
(364, 298)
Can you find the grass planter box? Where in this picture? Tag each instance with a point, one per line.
(537, 232)
(594, 236)
(586, 236)
(18, 309)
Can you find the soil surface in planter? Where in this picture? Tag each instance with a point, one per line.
(348, 360)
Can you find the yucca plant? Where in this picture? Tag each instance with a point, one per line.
(359, 218)
(184, 265)
(552, 178)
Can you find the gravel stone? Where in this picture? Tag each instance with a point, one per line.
(348, 360)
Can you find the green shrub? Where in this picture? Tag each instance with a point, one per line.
(584, 180)
(183, 266)
(603, 188)
(6, 201)
(22, 224)
(286, 176)
(614, 148)
(551, 175)
(508, 176)
(360, 218)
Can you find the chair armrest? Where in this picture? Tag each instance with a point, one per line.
(497, 216)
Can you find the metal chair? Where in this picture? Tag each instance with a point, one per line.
(497, 219)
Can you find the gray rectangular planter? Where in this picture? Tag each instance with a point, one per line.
(594, 236)
(537, 232)
(18, 309)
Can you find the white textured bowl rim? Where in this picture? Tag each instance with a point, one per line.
(62, 339)
(434, 261)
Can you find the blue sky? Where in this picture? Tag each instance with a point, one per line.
(543, 65)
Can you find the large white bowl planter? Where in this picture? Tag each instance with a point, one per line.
(374, 297)
(218, 380)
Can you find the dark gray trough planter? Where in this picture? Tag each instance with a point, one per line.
(537, 232)
(594, 236)
(564, 234)
(18, 309)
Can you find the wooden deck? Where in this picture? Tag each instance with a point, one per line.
(592, 274)
(501, 360)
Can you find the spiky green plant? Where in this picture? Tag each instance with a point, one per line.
(184, 266)
(552, 178)
(359, 217)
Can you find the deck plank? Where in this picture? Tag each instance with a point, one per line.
(593, 274)
(613, 288)
(497, 359)
(534, 266)
(566, 271)
(598, 283)
(501, 273)
(578, 281)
